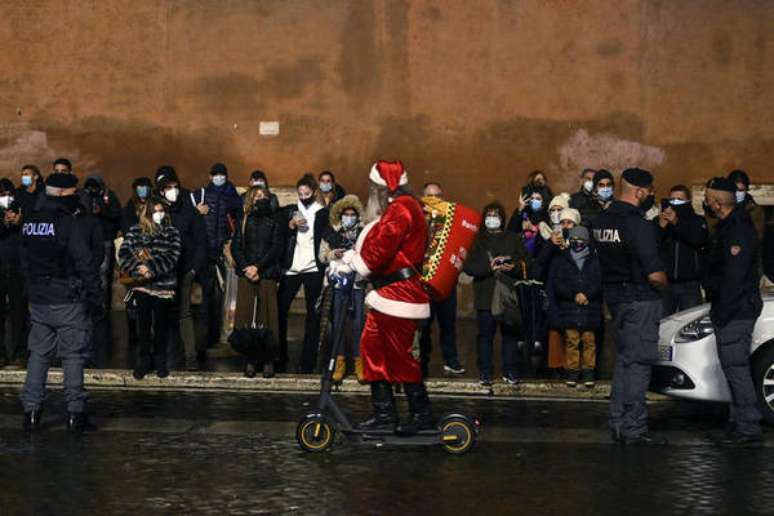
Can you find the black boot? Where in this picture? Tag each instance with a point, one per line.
(144, 366)
(385, 416)
(32, 420)
(80, 422)
(420, 415)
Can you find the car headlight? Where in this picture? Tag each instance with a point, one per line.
(695, 330)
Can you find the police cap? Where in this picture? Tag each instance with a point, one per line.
(62, 180)
(637, 177)
(722, 184)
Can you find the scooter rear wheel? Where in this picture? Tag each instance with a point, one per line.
(315, 433)
(457, 435)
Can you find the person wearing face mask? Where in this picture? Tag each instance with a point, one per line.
(258, 178)
(348, 287)
(257, 250)
(496, 251)
(733, 290)
(537, 180)
(30, 189)
(103, 204)
(584, 200)
(221, 206)
(150, 253)
(305, 223)
(745, 200)
(330, 190)
(193, 258)
(575, 284)
(684, 235)
(61, 275)
(12, 302)
(603, 191)
(634, 280)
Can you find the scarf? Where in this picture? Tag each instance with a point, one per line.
(580, 257)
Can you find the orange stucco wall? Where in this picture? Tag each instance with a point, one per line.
(475, 94)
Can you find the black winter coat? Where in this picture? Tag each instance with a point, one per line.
(565, 281)
(321, 228)
(129, 215)
(106, 208)
(487, 246)
(225, 212)
(587, 205)
(27, 200)
(193, 236)
(9, 241)
(260, 244)
(682, 245)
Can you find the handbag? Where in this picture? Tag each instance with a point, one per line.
(505, 300)
(253, 341)
(127, 279)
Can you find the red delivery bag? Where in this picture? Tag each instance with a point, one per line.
(452, 230)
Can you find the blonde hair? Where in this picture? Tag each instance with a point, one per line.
(146, 217)
(250, 196)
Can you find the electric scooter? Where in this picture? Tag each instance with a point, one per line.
(456, 433)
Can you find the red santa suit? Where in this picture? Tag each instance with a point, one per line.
(394, 242)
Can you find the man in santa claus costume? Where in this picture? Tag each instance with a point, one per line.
(389, 252)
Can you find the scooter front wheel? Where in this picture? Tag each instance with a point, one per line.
(457, 435)
(315, 433)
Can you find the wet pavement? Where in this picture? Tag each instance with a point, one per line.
(231, 453)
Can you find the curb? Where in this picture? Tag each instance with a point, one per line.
(218, 381)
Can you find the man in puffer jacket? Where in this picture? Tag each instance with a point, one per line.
(575, 286)
(221, 206)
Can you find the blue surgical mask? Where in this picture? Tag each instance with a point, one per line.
(348, 221)
(740, 196)
(605, 192)
(326, 187)
(536, 204)
(143, 191)
(26, 181)
(219, 180)
(678, 202)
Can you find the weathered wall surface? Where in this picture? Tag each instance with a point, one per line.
(474, 94)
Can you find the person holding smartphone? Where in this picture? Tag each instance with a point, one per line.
(13, 306)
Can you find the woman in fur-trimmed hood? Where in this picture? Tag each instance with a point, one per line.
(346, 225)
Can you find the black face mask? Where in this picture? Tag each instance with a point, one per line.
(262, 206)
(578, 246)
(709, 212)
(648, 202)
(307, 202)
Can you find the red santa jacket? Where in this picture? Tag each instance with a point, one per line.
(395, 241)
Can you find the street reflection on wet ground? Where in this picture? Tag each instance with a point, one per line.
(155, 469)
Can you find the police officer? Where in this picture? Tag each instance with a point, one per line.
(733, 290)
(62, 284)
(634, 278)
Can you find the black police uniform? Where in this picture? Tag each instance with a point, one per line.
(628, 250)
(62, 282)
(733, 280)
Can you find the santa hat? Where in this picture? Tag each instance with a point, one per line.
(388, 173)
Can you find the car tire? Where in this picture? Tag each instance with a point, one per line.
(763, 375)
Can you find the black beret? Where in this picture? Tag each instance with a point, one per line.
(637, 177)
(218, 168)
(740, 176)
(59, 180)
(599, 175)
(722, 184)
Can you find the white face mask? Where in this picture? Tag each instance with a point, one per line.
(258, 183)
(588, 185)
(5, 201)
(348, 221)
(219, 180)
(556, 216)
(740, 196)
(492, 222)
(326, 187)
(171, 194)
(678, 202)
(158, 217)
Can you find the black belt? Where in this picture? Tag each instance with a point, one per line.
(399, 275)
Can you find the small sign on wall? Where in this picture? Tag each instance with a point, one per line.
(269, 128)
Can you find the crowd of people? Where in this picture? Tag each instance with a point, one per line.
(537, 275)
(194, 235)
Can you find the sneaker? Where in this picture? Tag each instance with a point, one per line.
(485, 380)
(454, 368)
(573, 375)
(587, 376)
(511, 379)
